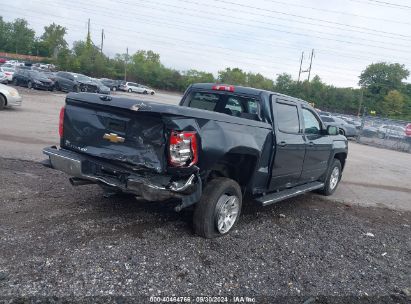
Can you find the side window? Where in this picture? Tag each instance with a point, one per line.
(204, 101)
(311, 123)
(233, 106)
(287, 117)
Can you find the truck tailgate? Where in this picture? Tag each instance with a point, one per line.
(114, 132)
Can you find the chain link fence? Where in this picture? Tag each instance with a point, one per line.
(385, 133)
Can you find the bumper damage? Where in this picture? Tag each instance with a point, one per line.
(149, 186)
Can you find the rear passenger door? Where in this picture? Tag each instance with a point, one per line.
(289, 144)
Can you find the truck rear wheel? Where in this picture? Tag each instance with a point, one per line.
(219, 208)
(333, 178)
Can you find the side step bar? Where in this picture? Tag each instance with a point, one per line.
(288, 193)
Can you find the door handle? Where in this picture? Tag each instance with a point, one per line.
(282, 144)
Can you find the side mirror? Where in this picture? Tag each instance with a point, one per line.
(332, 130)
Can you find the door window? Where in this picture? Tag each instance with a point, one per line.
(287, 116)
(311, 123)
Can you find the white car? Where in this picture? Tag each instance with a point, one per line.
(9, 72)
(3, 78)
(391, 131)
(135, 87)
(9, 97)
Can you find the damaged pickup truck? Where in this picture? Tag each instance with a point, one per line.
(218, 146)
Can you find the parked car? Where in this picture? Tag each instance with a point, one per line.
(112, 84)
(391, 131)
(9, 97)
(137, 88)
(101, 88)
(3, 78)
(72, 82)
(50, 75)
(32, 79)
(408, 132)
(9, 72)
(219, 144)
(345, 129)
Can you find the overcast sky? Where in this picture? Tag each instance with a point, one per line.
(263, 36)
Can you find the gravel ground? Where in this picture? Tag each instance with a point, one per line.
(57, 240)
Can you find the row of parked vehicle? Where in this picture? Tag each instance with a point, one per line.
(34, 77)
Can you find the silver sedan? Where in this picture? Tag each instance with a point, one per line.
(9, 96)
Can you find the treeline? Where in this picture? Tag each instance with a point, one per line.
(382, 91)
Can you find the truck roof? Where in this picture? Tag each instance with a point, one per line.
(245, 90)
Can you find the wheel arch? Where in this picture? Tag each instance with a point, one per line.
(238, 164)
(5, 98)
(341, 156)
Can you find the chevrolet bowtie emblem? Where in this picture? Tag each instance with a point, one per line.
(114, 138)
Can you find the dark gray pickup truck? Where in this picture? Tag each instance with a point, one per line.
(220, 144)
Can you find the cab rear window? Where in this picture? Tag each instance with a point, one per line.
(230, 104)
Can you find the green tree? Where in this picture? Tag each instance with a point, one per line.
(234, 76)
(53, 39)
(5, 35)
(383, 77)
(393, 103)
(23, 37)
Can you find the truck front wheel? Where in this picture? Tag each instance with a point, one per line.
(219, 208)
(333, 178)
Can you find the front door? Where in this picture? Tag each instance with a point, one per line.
(290, 145)
(318, 147)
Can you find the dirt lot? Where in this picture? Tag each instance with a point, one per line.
(65, 241)
(57, 240)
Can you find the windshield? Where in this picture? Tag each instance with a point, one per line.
(37, 74)
(82, 78)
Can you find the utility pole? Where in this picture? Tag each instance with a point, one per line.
(361, 101)
(88, 41)
(301, 63)
(311, 63)
(102, 40)
(125, 66)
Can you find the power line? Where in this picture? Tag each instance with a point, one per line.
(288, 32)
(187, 46)
(384, 3)
(338, 53)
(230, 35)
(338, 12)
(299, 16)
(190, 29)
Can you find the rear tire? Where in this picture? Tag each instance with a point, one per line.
(333, 178)
(114, 89)
(57, 86)
(2, 102)
(15, 82)
(30, 85)
(219, 208)
(76, 89)
(129, 90)
(152, 93)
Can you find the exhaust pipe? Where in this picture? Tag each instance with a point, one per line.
(79, 181)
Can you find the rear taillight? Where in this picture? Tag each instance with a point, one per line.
(61, 122)
(183, 149)
(223, 88)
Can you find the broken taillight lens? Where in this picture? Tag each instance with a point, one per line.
(61, 122)
(183, 149)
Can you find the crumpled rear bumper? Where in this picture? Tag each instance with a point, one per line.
(153, 187)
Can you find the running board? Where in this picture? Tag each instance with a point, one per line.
(288, 193)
